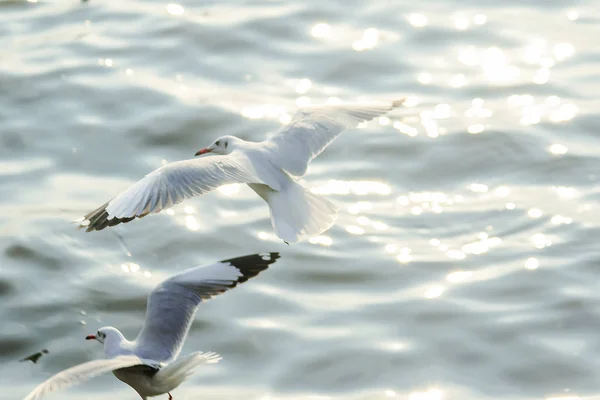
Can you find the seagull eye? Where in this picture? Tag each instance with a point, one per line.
(218, 142)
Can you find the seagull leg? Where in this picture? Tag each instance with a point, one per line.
(170, 397)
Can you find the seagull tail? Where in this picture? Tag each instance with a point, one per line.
(297, 214)
(172, 375)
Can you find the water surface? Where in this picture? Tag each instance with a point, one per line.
(463, 265)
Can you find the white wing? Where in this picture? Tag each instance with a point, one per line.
(173, 183)
(313, 128)
(82, 372)
(172, 305)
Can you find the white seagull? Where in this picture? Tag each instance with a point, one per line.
(149, 364)
(270, 168)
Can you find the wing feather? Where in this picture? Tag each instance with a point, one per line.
(82, 372)
(172, 184)
(312, 129)
(173, 304)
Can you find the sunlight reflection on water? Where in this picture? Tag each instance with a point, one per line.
(339, 187)
(431, 394)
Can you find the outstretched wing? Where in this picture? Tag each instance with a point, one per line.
(82, 372)
(173, 304)
(173, 183)
(313, 128)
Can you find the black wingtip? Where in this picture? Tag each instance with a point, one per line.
(252, 265)
(98, 219)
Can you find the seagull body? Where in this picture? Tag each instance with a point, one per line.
(271, 168)
(150, 363)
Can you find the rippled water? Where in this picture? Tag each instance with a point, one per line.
(464, 263)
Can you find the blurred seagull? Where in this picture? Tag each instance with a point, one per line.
(270, 168)
(150, 363)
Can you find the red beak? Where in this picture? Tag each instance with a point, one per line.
(90, 337)
(202, 151)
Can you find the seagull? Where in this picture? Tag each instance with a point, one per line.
(270, 168)
(150, 363)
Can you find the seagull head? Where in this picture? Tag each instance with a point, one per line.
(105, 334)
(223, 145)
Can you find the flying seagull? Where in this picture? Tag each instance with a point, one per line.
(150, 363)
(271, 168)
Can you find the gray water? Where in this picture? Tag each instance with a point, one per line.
(464, 262)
